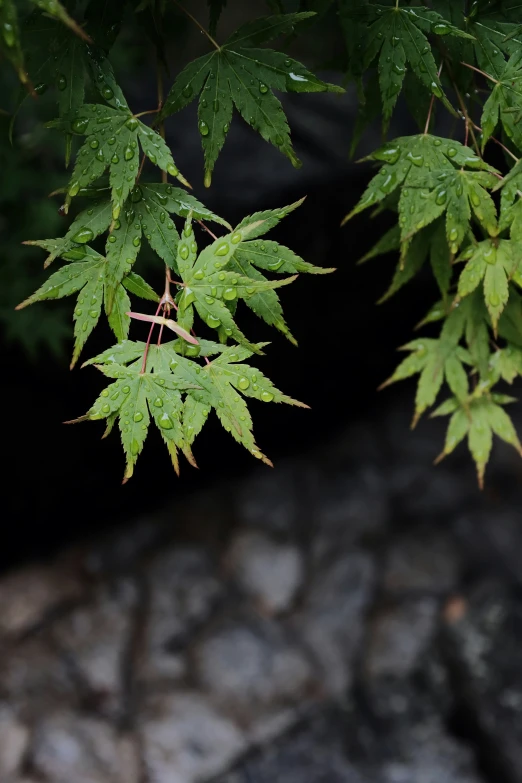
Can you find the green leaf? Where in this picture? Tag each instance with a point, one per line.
(159, 199)
(122, 248)
(237, 75)
(435, 360)
(119, 321)
(112, 142)
(215, 9)
(408, 160)
(479, 419)
(491, 261)
(158, 392)
(10, 45)
(210, 287)
(88, 225)
(398, 37)
(273, 257)
(139, 287)
(505, 103)
(456, 192)
(57, 11)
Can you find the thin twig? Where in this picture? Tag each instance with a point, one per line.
(205, 32)
(206, 228)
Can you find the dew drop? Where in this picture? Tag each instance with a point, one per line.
(61, 82)
(267, 396)
(165, 421)
(229, 294)
(172, 170)
(203, 128)
(129, 153)
(132, 124)
(83, 235)
(243, 383)
(213, 322)
(221, 250)
(453, 234)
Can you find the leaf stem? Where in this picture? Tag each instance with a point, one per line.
(147, 345)
(206, 228)
(144, 113)
(482, 73)
(198, 24)
(428, 118)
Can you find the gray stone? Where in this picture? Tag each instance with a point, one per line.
(28, 595)
(95, 638)
(183, 590)
(269, 572)
(331, 621)
(184, 739)
(249, 666)
(483, 643)
(34, 678)
(68, 748)
(422, 561)
(14, 737)
(427, 755)
(311, 754)
(398, 636)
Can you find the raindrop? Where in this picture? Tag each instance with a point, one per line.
(83, 235)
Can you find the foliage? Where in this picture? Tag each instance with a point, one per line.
(179, 380)
(456, 200)
(451, 204)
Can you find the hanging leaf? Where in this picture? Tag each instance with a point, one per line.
(237, 74)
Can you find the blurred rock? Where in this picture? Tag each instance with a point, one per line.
(331, 622)
(483, 644)
(35, 679)
(313, 753)
(185, 739)
(183, 590)
(28, 595)
(423, 561)
(94, 637)
(269, 572)
(14, 737)
(249, 666)
(397, 637)
(67, 748)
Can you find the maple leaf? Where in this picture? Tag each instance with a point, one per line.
(10, 37)
(398, 36)
(249, 256)
(492, 261)
(238, 74)
(209, 286)
(456, 192)
(478, 418)
(505, 102)
(428, 243)
(57, 11)
(218, 385)
(407, 160)
(91, 279)
(112, 142)
(435, 360)
(133, 399)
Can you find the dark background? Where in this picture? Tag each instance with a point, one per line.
(61, 482)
